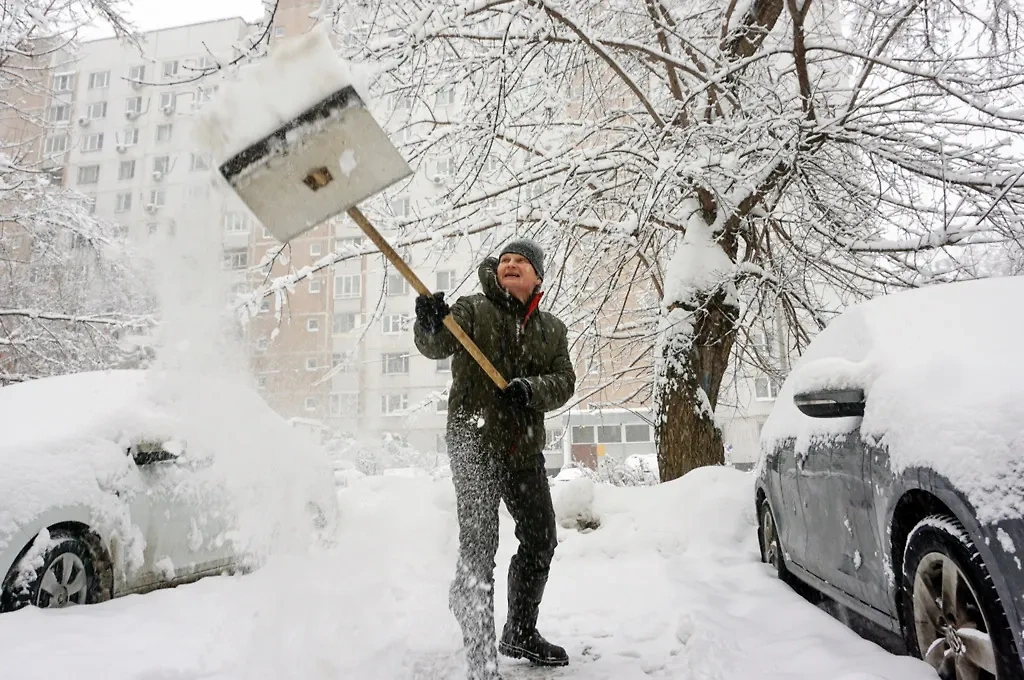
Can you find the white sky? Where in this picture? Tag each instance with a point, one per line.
(150, 15)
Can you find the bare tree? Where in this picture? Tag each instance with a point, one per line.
(701, 169)
(68, 298)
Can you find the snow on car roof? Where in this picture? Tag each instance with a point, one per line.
(53, 412)
(943, 376)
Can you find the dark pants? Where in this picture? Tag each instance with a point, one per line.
(479, 486)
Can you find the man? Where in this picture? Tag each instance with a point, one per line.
(495, 441)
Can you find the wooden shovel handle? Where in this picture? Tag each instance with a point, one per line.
(449, 321)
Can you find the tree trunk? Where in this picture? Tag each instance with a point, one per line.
(695, 364)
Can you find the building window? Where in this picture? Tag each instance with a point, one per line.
(137, 73)
(236, 259)
(345, 404)
(445, 96)
(583, 434)
(91, 203)
(395, 363)
(349, 243)
(126, 170)
(157, 198)
(441, 405)
(312, 325)
(164, 132)
(93, 142)
(89, 174)
(264, 305)
(99, 79)
(168, 101)
(59, 114)
(395, 284)
(440, 443)
(344, 322)
(446, 281)
(162, 165)
(393, 404)
(57, 144)
(199, 162)
(124, 202)
(279, 31)
(395, 323)
(152, 227)
(444, 365)
(315, 286)
(609, 434)
(344, 361)
(638, 432)
(133, 105)
(96, 110)
(65, 82)
(311, 403)
(236, 223)
(765, 388)
(347, 286)
(311, 363)
(170, 68)
(130, 136)
(401, 207)
(316, 249)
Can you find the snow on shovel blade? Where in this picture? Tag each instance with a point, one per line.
(321, 163)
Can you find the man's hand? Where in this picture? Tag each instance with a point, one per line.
(431, 311)
(518, 392)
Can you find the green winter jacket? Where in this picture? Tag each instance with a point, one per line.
(522, 342)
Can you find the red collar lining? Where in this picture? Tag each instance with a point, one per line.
(532, 306)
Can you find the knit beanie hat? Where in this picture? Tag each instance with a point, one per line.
(528, 249)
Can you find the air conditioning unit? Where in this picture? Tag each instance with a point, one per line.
(168, 110)
(157, 175)
(84, 121)
(121, 148)
(132, 115)
(151, 208)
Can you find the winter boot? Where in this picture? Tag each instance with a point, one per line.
(531, 645)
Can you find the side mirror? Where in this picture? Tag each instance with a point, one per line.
(150, 452)
(844, 403)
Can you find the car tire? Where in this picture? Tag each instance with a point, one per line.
(952, 617)
(768, 540)
(62, 575)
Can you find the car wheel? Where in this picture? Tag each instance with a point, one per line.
(768, 535)
(62, 575)
(951, 613)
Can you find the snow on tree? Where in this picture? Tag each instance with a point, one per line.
(701, 171)
(69, 299)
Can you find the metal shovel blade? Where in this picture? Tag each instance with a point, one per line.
(322, 163)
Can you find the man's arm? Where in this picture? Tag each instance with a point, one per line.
(551, 390)
(442, 344)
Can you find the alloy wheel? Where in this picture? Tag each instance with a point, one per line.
(64, 583)
(952, 632)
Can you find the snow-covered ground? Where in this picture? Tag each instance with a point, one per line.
(669, 586)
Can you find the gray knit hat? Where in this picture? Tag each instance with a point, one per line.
(528, 249)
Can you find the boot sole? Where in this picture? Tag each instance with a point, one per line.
(514, 652)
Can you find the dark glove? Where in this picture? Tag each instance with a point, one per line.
(518, 393)
(431, 311)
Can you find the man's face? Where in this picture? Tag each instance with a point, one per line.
(516, 275)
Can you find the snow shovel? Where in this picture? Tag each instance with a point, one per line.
(325, 161)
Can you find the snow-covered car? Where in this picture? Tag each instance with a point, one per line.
(892, 472)
(120, 482)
